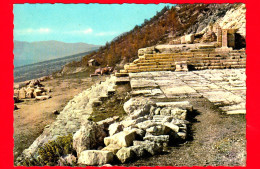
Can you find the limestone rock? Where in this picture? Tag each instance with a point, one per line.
(162, 139)
(146, 124)
(122, 139)
(108, 121)
(182, 135)
(95, 157)
(115, 128)
(136, 103)
(138, 150)
(189, 38)
(179, 113)
(158, 130)
(157, 111)
(127, 123)
(172, 126)
(89, 136)
(125, 154)
(166, 111)
(112, 147)
(151, 147)
(42, 97)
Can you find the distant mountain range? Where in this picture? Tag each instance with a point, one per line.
(33, 52)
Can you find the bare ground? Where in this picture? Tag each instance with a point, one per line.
(32, 116)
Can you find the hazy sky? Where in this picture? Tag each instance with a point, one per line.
(89, 23)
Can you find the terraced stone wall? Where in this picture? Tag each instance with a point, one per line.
(197, 59)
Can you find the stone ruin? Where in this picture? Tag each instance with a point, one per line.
(31, 89)
(213, 48)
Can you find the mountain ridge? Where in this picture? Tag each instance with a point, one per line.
(26, 53)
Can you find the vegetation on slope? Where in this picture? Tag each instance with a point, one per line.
(184, 18)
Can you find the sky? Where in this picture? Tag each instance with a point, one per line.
(72, 23)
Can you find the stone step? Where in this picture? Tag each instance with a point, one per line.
(96, 103)
(121, 74)
(241, 111)
(122, 80)
(203, 50)
(123, 71)
(151, 70)
(206, 47)
(103, 98)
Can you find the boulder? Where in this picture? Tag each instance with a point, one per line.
(182, 135)
(22, 94)
(146, 124)
(122, 139)
(37, 92)
(89, 136)
(138, 113)
(95, 157)
(158, 130)
(115, 128)
(127, 123)
(138, 150)
(172, 126)
(157, 111)
(138, 103)
(42, 97)
(166, 111)
(112, 147)
(151, 147)
(189, 38)
(108, 121)
(179, 113)
(125, 154)
(140, 119)
(29, 94)
(162, 139)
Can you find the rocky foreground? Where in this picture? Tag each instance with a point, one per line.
(155, 120)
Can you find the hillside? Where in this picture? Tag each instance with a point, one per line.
(168, 23)
(28, 53)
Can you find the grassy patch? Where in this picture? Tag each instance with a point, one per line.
(50, 152)
(113, 106)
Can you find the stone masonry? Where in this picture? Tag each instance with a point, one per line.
(225, 88)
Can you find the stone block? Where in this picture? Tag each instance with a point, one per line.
(95, 157)
(122, 139)
(112, 147)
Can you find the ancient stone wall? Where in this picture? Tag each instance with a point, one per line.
(197, 59)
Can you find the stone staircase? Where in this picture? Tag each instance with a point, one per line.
(197, 59)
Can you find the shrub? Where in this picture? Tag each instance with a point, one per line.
(50, 152)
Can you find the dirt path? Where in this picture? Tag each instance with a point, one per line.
(216, 140)
(32, 116)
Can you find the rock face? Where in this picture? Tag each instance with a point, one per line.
(95, 157)
(89, 136)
